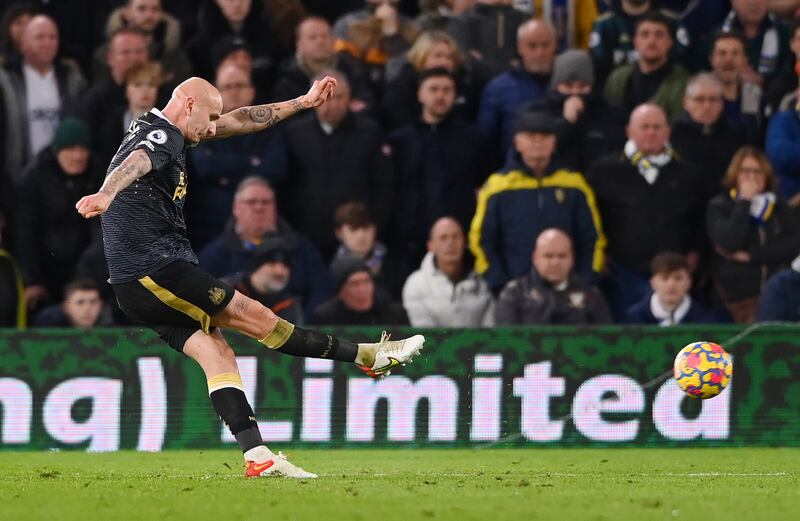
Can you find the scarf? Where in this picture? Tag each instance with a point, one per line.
(761, 206)
(649, 166)
(768, 61)
(669, 318)
(374, 260)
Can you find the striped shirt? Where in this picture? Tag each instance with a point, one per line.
(144, 229)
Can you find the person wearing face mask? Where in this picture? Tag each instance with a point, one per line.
(753, 232)
(267, 280)
(588, 127)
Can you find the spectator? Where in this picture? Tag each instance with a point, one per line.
(652, 77)
(36, 92)
(783, 137)
(234, 50)
(50, 235)
(531, 195)
(13, 22)
(780, 298)
(267, 280)
(255, 219)
(163, 33)
(669, 302)
(80, 24)
(141, 91)
(316, 54)
(486, 33)
(127, 48)
(742, 98)
(766, 36)
(444, 291)
(588, 127)
(431, 51)
(508, 92)
(613, 34)
(357, 302)
(82, 308)
(13, 312)
(645, 188)
(550, 293)
(335, 156)
(753, 232)
(435, 15)
(357, 233)
(243, 19)
(440, 161)
(218, 166)
(375, 34)
(703, 136)
(784, 85)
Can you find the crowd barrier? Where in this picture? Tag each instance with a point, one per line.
(111, 389)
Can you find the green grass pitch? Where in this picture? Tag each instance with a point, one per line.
(384, 485)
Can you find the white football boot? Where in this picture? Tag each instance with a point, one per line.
(388, 354)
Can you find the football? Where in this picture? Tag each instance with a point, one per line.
(703, 369)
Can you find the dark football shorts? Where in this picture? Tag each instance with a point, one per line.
(176, 301)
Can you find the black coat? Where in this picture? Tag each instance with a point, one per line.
(384, 312)
(599, 128)
(709, 150)
(293, 81)
(400, 105)
(350, 164)
(772, 246)
(449, 158)
(50, 234)
(642, 220)
(530, 300)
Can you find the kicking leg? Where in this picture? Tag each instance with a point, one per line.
(254, 319)
(226, 391)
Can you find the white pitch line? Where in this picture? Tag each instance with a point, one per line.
(728, 474)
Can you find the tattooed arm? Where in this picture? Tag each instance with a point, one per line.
(259, 117)
(132, 168)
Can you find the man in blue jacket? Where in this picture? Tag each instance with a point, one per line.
(516, 204)
(255, 222)
(783, 137)
(506, 94)
(780, 297)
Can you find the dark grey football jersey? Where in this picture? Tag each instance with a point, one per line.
(144, 228)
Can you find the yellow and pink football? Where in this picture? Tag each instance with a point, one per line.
(703, 369)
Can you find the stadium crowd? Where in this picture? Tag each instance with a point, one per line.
(482, 162)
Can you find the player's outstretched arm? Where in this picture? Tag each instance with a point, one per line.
(259, 117)
(132, 168)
